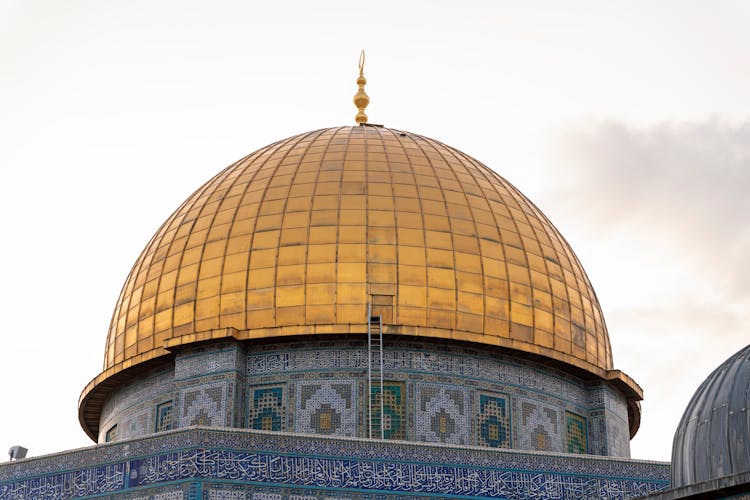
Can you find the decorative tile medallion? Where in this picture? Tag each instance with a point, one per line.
(442, 414)
(326, 407)
(493, 420)
(539, 427)
(575, 426)
(203, 405)
(393, 401)
(267, 409)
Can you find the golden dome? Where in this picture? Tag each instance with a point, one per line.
(298, 237)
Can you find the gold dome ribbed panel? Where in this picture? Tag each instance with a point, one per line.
(297, 237)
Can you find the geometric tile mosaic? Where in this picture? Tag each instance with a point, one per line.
(393, 400)
(539, 427)
(416, 358)
(226, 495)
(618, 437)
(164, 417)
(133, 406)
(267, 410)
(218, 359)
(111, 434)
(549, 392)
(607, 419)
(597, 433)
(191, 461)
(172, 495)
(135, 424)
(442, 413)
(203, 405)
(490, 414)
(575, 437)
(326, 407)
(493, 421)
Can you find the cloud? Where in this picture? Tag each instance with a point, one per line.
(660, 217)
(681, 188)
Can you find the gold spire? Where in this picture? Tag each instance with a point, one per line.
(361, 99)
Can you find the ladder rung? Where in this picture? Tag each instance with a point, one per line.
(375, 372)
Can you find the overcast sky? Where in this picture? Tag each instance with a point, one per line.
(627, 123)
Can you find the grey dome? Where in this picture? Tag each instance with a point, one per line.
(713, 438)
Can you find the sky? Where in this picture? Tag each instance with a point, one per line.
(627, 123)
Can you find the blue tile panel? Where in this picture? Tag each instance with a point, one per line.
(209, 360)
(111, 434)
(393, 400)
(259, 462)
(326, 407)
(204, 405)
(547, 392)
(541, 426)
(493, 421)
(133, 407)
(164, 417)
(434, 393)
(267, 408)
(609, 432)
(442, 413)
(576, 433)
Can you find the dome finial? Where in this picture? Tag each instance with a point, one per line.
(361, 99)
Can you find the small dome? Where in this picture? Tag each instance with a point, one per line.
(713, 438)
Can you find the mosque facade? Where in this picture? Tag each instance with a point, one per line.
(354, 312)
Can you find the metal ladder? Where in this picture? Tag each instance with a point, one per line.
(375, 373)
